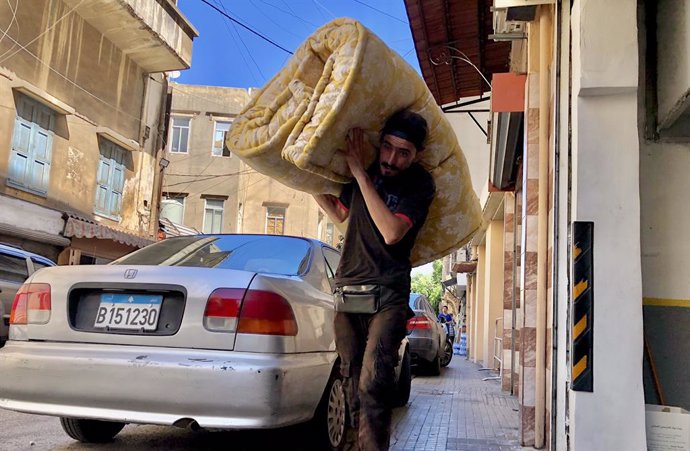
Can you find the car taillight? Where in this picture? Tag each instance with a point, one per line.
(249, 312)
(418, 322)
(266, 313)
(222, 309)
(31, 304)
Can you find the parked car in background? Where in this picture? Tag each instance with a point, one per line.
(430, 347)
(210, 331)
(16, 265)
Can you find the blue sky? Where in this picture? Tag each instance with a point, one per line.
(225, 54)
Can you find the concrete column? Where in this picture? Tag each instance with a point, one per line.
(477, 332)
(606, 190)
(493, 290)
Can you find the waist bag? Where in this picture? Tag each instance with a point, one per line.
(357, 298)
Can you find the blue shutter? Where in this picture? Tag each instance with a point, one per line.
(32, 143)
(110, 180)
(41, 146)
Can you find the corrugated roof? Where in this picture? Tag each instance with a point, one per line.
(445, 30)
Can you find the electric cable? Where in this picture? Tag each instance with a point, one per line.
(43, 32)
(246, 27)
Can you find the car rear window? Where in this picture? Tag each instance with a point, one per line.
(256, 253)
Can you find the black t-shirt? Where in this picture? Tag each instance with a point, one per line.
(366, 258)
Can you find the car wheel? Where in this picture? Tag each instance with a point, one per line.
(447, 354)
(91, 431)
(330, 421)
(434, 367)
(404, 385)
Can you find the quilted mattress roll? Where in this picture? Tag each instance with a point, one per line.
(344, 76)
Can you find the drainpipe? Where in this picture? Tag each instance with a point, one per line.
(159, 147)
(513, 307)
(556, 232)
(542, 225)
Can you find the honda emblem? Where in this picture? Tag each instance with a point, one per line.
(131, 273)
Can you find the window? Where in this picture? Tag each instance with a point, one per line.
(219, 149)
(172, 208)
(332, 262)
(213, 216)
(110, 179)
(32, 145)
(180, 134)
(13, 268)
(275, 220)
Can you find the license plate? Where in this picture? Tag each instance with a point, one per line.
(128, 311)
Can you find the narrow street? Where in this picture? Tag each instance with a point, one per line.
(456, 411)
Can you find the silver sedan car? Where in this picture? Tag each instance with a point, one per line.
(208, 331)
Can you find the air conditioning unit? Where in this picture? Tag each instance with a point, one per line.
(504, 26)
(510, 23)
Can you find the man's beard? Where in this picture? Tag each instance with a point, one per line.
(393, 169)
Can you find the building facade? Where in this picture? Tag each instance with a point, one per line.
(579, 268)
(83, 96)
(210, 190)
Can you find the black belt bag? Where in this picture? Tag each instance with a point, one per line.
(357, 298)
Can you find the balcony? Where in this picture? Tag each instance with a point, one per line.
(153, 33)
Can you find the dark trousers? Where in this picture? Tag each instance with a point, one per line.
(368, 348)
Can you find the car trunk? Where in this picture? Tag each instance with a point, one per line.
(134, 305)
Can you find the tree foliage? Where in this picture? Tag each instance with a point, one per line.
(430, 285)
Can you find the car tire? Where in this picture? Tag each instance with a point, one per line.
(434, 367)
(404, 385)
(91, 431)
(447, 354)
(330, 421)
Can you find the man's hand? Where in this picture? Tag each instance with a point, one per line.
(355, 153)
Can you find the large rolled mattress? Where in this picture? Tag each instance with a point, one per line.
(344, 76)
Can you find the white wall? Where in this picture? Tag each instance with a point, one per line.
(664, 188)
(473, 144)
(606, 191)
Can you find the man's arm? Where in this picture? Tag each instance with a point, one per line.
(392, 227)
(329, 203)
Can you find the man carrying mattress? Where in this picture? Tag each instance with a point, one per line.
(386, 204)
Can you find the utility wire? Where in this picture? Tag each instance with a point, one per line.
(382, 12)
(239, 36)
(12, 20)
(290, 12)
(43, 32)
(246, 27)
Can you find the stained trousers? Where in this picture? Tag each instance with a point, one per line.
(367, 345)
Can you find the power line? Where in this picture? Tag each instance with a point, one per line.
(239, 36)
(246, 27)
(43, 32)
(290, 12)
(12, 20)
(382, 12)
(76, 85)
(273, 21)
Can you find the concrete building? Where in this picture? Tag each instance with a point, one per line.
(201, 182)
(210, 190)
(579, 268)
(82, 103)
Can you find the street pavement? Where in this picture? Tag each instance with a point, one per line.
(456, 411)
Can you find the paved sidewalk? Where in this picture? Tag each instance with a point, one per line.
(457, 411)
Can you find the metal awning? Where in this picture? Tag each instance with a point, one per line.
(453, 47)
(174, 229)
(79, 227)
